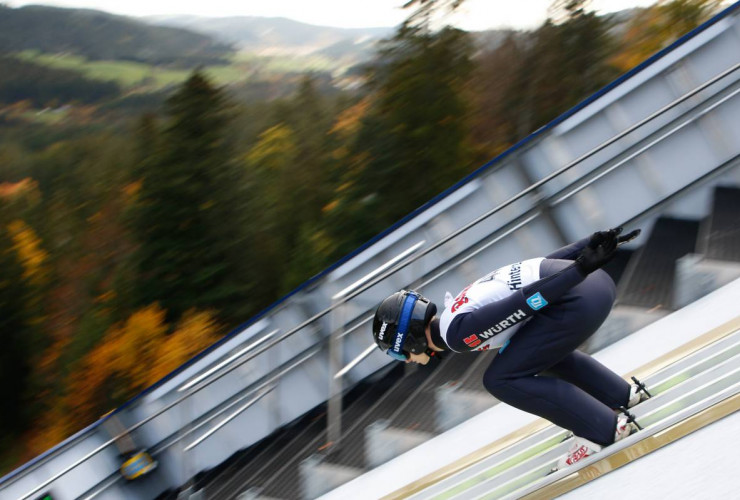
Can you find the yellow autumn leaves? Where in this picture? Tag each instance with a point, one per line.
(28, 249)
(135, 355)
(131, 357)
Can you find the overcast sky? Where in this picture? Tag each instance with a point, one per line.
(478, 15)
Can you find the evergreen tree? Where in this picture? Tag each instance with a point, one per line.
(273, 170)
(305, 120)
(15, 339)
(309, 181)
(567, 62)
(311, 125)
(189, 215)
(413, 143)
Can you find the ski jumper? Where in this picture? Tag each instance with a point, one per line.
(537, 312)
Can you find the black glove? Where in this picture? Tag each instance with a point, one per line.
(629, 236)
(599, 251)
(600, 236)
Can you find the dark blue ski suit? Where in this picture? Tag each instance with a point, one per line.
(539, 370)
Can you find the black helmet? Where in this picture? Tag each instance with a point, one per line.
(399, 323)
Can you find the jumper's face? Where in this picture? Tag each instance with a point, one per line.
(421, 359)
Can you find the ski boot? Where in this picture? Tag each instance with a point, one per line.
(638, 393)
(580, 449)
(583, 448)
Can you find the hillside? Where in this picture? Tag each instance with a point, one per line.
(98, 35)
(272, 34)
(336, 48)
(41, 86)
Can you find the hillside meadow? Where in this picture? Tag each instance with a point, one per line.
(134, 75)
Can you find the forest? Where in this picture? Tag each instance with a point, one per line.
(98, 35)
(136, 229)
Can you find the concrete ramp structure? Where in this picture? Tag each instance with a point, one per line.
(298, 403)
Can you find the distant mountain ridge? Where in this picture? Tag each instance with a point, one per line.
(274, 34)
(99, 35)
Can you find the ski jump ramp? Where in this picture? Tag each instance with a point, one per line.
(690, 361)
(656, 142)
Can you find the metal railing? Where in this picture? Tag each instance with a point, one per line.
(269, 340)
(566, 192)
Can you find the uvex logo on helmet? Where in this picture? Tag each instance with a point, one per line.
(383, 328)
(399, 343)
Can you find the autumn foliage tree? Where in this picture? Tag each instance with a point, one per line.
(134, 356)
(290, 176)
(129, 246)
(30, 252)
(655, 27)
(495, 95)
(195, 331)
